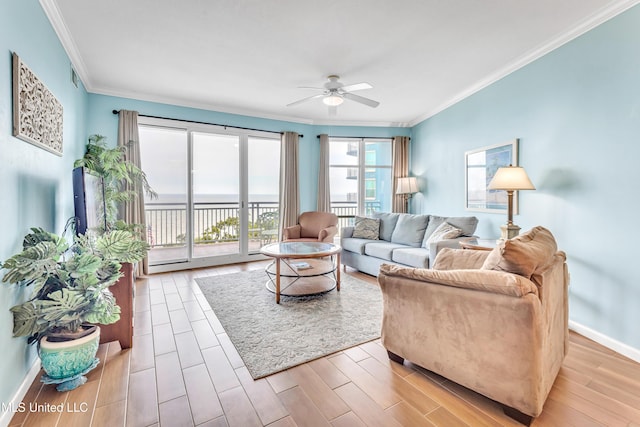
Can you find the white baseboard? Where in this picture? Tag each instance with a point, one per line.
(6, 417)
(617, 346)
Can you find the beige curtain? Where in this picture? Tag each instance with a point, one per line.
(400, 147)
(324, 187)
(289, 191)
(132, 212)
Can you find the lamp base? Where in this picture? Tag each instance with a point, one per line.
(509, 231)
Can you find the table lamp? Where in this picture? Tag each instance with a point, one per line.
(510, 178)
(407, 186)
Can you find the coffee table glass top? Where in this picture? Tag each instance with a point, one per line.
(300, 249)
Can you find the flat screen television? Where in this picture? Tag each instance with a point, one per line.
(88, 201)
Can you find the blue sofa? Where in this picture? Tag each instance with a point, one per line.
(402, 241)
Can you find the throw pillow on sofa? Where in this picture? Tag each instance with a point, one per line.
(467, 224)
(366, 228)
(444, 231)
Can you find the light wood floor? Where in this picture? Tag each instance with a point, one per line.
(183, 371)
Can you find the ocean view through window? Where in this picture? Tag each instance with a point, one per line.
(217, 192)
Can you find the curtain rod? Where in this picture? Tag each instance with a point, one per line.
(361, 137)
(206, 123)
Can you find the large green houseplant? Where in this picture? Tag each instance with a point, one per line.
(70, 290)
(118, 175)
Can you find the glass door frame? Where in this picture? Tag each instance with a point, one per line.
(243, 255)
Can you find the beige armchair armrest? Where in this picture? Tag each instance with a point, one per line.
(292, 232)
(497, 282)
(327, 234)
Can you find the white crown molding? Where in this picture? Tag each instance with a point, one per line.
(583, 27)
(55, 18)
(239, 111)
(617, 346)
(53, 14)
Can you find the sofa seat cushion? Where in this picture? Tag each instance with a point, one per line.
(413, 257)
(387, 224)
(382, 250)
(353, 244)
(526, 254)
(410, 230)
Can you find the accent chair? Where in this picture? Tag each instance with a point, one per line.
(493, 321)
(313, 227)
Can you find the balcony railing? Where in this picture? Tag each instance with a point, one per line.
(218, 222)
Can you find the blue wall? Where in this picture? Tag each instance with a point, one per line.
(102, 121)
(36, 184)
(576, 112)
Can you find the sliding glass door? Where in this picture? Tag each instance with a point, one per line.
(218, 193)
(164, 161)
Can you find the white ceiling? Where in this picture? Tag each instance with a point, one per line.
(250, 56)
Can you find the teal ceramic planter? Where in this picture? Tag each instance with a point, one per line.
(65, 363)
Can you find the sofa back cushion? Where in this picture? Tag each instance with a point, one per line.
(387, 224)
(526, 254)
(467, 224)
(410, 229)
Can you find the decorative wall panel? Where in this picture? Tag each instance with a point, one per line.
(37, 114)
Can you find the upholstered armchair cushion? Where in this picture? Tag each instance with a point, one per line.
(497, 282)
(525, 254)
(459, 259)
(313, 226)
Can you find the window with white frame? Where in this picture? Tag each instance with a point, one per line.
(360, 176)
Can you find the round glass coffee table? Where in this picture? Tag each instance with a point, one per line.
(302, 268)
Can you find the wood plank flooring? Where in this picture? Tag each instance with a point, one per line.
(183, 371)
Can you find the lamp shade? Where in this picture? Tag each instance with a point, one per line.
(511, 178)
(407, 185)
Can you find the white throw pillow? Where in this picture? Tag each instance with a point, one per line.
(444, 231)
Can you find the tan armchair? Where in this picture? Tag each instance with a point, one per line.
(493, 321)
(313, 227)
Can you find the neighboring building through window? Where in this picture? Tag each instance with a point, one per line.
(361, 176)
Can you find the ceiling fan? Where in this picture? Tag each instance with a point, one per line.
(334, 93)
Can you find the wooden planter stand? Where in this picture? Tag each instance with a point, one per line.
(122, 330)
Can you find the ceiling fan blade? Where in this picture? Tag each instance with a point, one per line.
(361, 99)
(357, 86)
(311, 87)
(309, 98)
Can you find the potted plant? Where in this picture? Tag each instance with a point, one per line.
(70, 290)
(117, 174)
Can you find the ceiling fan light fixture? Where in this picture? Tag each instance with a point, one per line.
(333, 100)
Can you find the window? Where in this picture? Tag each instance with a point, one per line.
(361, 176)
(218, 192)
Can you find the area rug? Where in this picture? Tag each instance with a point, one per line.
(272, 337)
